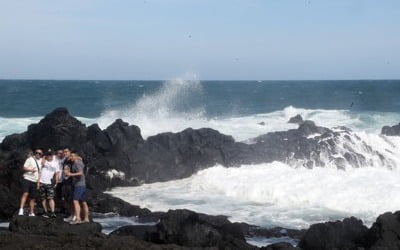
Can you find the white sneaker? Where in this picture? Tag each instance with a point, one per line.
(32, 215)
(21, 211)
(69, 219)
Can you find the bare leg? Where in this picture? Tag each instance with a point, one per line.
(31, 206)
(72, 208)
(52, 205)
(24, 197)
(77, 210)
(44, 205)
(85, 211)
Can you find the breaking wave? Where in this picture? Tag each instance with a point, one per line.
(276, 194)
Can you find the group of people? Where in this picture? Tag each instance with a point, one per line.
(55, 174)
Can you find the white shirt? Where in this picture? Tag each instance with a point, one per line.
(30, 164)
(48, 170)
(60, 167)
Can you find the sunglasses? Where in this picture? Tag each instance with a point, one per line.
(38, 153)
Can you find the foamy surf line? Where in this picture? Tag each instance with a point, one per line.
(275, 194)
(245, 127)
(154, 120)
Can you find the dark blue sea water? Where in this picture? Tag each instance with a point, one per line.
(28, 98)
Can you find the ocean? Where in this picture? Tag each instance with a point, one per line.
(273, 194)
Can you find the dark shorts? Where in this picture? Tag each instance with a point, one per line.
(46, 191)
(67, 191)
(29, 187)
(80, 193)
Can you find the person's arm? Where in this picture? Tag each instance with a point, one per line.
(75, 174)
(38, 181)
(79, 170)
(28, 166)
(56, 176)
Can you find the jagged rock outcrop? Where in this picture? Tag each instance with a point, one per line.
(391, 131)
(176, 227)
(296, 119)
(341, 235)
(385, 232)
(187, 228)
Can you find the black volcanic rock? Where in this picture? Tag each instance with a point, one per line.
(170, 156)
(56, 130)
(12, 241)
(296, 119)
(143, 232)
(44, 226)
(341, 235)
(280, 246)
(385, 232)
(391, 131)
(187, 228)
(105, 203)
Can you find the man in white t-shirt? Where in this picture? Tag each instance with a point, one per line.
(49, 175)
(31, 181)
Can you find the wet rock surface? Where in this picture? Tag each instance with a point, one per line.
(280, 246)
(385, 232)
(296, 119)
(187, 228)
(347, 234)
(12, 241)
(391, 130)
(57, 226)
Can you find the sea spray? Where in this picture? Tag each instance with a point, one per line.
(175, 106)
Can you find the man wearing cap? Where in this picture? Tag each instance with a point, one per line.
(31, 181)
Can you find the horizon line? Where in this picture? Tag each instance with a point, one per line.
(205, 80)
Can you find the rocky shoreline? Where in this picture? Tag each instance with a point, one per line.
(184, 229)
(119, 156)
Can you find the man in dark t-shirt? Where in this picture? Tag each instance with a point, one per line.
(66, 189)
(79, 186)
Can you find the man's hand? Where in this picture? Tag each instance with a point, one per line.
(38, 186)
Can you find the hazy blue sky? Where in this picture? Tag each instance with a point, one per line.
(236, 39)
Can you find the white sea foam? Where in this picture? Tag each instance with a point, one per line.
(10, 126)
(113, 173)
(112, 222)
(276, 194)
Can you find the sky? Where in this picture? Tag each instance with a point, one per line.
(213, 40)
